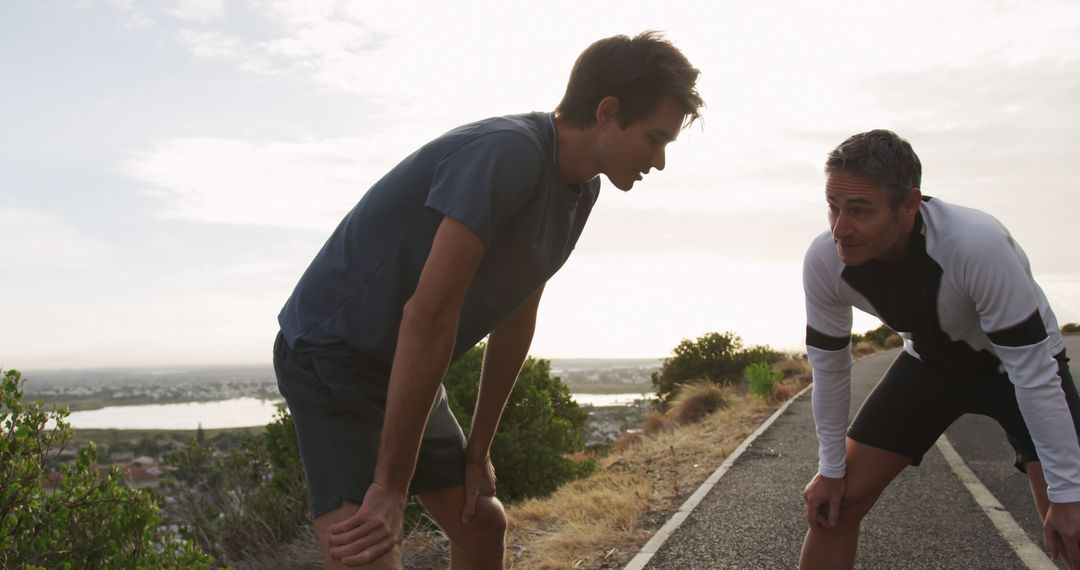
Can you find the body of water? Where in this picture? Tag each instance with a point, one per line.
(237, 413)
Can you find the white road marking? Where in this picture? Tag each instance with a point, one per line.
(650, 549)
(1030, 554)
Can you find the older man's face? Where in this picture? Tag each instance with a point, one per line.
(863, 225)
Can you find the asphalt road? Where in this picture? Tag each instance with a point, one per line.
(754, 516)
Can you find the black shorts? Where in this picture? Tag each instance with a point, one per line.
(913, 404)
(337, 398)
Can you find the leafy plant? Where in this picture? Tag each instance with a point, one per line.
(719, 358)
(540, 426)
(762, 380)
(90, 519)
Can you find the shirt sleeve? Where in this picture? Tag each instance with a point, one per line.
(998, 278)
(485, 181)
(828, 336)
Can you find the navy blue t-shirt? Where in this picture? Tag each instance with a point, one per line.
(500, 178)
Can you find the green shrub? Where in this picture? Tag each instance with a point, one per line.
(245, 502)
(540, 426)
(762, 380)
(1070, 328)
(90, 520)
(717, 357)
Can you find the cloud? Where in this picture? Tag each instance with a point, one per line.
(320, 41)
(204, 11)
(36, 239)
(295, 185)
(134, 16)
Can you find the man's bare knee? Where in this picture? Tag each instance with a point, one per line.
(389, 561)
(853, 508)
(488, 524)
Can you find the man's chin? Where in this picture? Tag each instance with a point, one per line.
(851, 259)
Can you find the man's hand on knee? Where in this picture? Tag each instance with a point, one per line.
(1062, 530)
(822, 496)
(479, 481)
(372, 531)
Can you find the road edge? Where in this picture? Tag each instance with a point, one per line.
(645, 555)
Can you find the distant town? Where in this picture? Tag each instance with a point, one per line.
(98, 388)
(140, 454)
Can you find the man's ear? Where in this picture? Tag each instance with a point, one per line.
(607, 111)
(911, 203)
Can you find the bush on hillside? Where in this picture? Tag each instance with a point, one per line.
(864, 347)
(540, 426)
(1070, 328)
(762, 380)
(654, 421)
(90, 519)
(694, 401)
(717, 357)
(786, 390)
(879, 338)
(246, 502)
(793, 367)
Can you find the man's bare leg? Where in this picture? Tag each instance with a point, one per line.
(389, 561)
(869, 471)
(479, 545)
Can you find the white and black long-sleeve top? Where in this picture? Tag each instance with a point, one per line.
(963, 300)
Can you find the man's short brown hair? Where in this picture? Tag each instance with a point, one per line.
(639, 71)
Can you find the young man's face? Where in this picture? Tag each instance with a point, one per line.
(863, 225)
(627, 154)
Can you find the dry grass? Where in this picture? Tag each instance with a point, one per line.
(602, 521)
(793, 367)
(694, 401)
(863, 348)
(625, 440)
(788, 388)
(579, 523)
(654, 422)
(302, 553)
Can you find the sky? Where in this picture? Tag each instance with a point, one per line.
(169, 168)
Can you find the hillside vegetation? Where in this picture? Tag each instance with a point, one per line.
(246, 506)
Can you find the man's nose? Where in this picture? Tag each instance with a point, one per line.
(659, 160)
(841, 225)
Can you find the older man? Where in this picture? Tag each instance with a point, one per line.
(979, 337)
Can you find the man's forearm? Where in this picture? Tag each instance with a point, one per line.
(830, 400)
(425, 345)
(508, 345)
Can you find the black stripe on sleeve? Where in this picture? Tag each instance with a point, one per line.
(1030, 331)
(818, 339)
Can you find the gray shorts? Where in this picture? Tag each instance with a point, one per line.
(337, 398)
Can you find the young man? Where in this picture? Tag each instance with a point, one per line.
(979, 337)
(453, 244)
